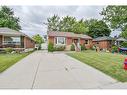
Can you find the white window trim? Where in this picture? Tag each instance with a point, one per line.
(60, 43)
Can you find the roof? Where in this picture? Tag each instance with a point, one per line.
(121, 39)
(103, 38)
(10, 32)
(68, 34)
(6, 31)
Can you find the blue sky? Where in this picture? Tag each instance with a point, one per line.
(33, 17)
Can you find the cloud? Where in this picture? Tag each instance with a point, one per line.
(33, 17)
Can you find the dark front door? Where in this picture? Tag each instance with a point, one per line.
(75, 41)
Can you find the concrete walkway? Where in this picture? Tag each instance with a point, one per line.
(54, 71)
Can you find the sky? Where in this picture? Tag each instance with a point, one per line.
(33, 17)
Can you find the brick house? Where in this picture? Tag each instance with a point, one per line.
(103, 42)
(69, 38)
(15, 39)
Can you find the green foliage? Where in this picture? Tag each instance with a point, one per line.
(97, 28)
(59, 48)
(50, 47)
(53, 23)
(38, 39)
(124, 34)
(72, 47)
(124, 44)
(114, 49)
(8, 50)
(116, 16)
(7, 18)
(66, 24)
(83, 47)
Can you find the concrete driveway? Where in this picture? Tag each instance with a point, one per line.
(42, 70)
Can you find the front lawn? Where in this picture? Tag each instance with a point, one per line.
(7, 60)
(108, 63)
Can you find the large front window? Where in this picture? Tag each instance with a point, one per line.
(12, 40)
(60, 40)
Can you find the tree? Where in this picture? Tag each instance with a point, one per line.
(38, 39)
(115, 16)
(124, 34)
(97, 28)
(53, 23)
(66, 24)
(80, 27)
(7, 18)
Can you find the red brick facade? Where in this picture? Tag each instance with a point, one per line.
(51, 39)
(69, 41)
(103, 44)
(0, 41)
(28, 43)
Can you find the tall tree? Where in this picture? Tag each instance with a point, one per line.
(66, 24)
(97, 28)
(53, 23)
(80, 27)
(7, 18)
(115, 16)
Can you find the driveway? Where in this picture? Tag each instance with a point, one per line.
(42, 70)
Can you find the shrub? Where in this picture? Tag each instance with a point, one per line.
(83, 47)
(8, 50)
(59, 48)
(50, 47)
(72, 47)
(124, 44)
(114, 49)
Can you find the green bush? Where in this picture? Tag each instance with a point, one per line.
(72, 47)
(124, 44)
(8, 50)
(114, 49)
(50, 47)
(83, 47)
(59, 48)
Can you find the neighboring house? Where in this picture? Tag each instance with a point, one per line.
(119, 41)
(103, 42)
(15, 39)
(69, 38)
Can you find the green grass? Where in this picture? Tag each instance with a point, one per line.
(7, 60)
(108, 63)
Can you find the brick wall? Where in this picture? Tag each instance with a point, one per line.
(28, 43)
(89, 45)
(0, 41)
(51, 39)
(103, 44)
(82, 41)
(68, 41)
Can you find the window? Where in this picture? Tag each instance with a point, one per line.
(60, 40)
(12, 40)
